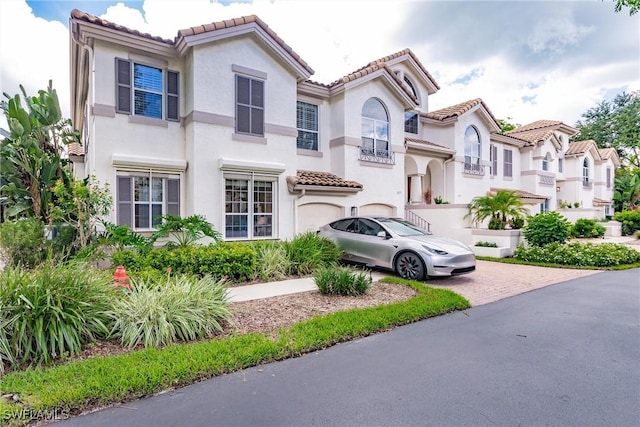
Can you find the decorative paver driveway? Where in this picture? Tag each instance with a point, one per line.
(493, 281)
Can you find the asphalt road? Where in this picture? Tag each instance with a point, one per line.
(568, 355)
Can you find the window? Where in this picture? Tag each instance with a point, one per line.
(375, 132)
(560, 165)
(147, 91)
(545, 162)
(472, 151)
(585, 173)
(411, 86)
(249, 106)
(411, 122)
(307, 122)
(368, 227)
(544, 206)
(608, 178)
(493, 156)
(142, 198)
(249, 208)
(508, 163)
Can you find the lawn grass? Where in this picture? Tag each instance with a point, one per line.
(81, 385)
(552, 265)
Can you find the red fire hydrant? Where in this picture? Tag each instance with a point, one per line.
(121, 279)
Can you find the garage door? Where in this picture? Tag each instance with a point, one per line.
(313, 215)
(376, 209)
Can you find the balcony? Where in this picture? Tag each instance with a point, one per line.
(586, 183)
(547, 180)
(386, 157)
(474, 169)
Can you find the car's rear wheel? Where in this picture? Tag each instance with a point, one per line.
(410, 266)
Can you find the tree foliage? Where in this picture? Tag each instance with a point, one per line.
(499, 208)
(626, 195)
(506, 125)
(633, 5)
(614, 124)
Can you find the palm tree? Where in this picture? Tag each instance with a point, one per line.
(499, 207)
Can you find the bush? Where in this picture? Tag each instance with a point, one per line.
(585, 227)
(180, 308)
(22, 242)
(630, 221)
(52, 311)
(308, 251)
(341, 281)
(272, 261)
(487, 244)
(545, 228)
(516, 223)
(580, 254)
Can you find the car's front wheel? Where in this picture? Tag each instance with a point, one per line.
(410, 266)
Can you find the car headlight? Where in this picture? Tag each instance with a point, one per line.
(435, 251)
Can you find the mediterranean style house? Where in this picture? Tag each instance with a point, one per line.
(224, 122)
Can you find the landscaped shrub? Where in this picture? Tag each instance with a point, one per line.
(585, 227)
(52, 311)
(580, 254)
(129, 258)
(308, 251)
(335, 280)
(272, 262)
(630, 221)
(180, 308)
(545, 228)
(22, 242)
(487, 244)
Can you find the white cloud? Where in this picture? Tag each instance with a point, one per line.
(556, 35)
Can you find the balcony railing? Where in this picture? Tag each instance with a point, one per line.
(547, 180)
(586, 183)
(377, 156)
(474, 169)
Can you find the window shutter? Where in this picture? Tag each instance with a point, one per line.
(494, 160)
(173, 99)
(124, 200)
(123, 86)
(173, 197)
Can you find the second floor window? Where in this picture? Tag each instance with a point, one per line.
(560, 165)
(585, 173)
(147, 91)
(472, 151)
(411, 122)
(249, 106)
(375, 129)
(545, 163)
(307, 123)
(608, 178)
(508, 163)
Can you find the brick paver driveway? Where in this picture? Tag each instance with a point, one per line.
(493, 281)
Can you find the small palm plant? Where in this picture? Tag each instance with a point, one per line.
(185, 231)
(500, 208)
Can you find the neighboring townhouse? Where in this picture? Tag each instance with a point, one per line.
(224, 122)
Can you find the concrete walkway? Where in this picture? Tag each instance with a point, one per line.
(492, 281)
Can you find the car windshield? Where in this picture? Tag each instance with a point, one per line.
(402, 228)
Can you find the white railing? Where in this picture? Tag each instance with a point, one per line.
(377, 156)
(417, 219)
(474, 169)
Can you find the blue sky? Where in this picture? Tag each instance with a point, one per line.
(528, 60)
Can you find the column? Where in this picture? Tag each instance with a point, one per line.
(417, 195)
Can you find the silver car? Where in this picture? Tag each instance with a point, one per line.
(399, 245)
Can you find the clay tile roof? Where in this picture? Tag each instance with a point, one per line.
(457, 110)
(520, 193)
(427, 143)
(322, 179)
(597, 201)
(579, 147)
(82, 16)
(534, 137)
(229, 23)
(75, 149)
(539, 124)
(413, 56)
(606, 153)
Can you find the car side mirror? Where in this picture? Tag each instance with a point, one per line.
(382, 234)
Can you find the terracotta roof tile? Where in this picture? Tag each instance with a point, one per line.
(606, 153)
(425, 142)
(539, 124)
(75, 149)
(82, 16)
(457, 110)
(579, 147)
(534, 137)
(323, 179)
(597, 201)
(520, 193)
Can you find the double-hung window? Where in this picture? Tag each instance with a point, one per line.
(508, 163)
(249, 106)
(307, 123)
(375, 131)
(147, 91)
(142, 198)
(249, 206)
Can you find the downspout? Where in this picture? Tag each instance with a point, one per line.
(295, 208)
(444, 166)
(89, 100)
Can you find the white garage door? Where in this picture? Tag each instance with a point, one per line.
(376, 209)
(313, 215)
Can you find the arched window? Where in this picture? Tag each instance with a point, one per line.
(411, 117)
(472, 151)
(585, 173)
(375, 129)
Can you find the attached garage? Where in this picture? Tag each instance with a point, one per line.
(376, 209)
(313, 215)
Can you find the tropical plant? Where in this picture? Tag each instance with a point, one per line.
(272, 262)
(545, 228)
(346, 281)
(23, 242)
(626, 193)
(499, 208)
(31, 154)
(184, 231)
(308, 251)
(155, 314)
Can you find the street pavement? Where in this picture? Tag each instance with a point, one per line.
(566, 355)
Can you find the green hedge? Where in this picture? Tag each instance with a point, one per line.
(630, 221)
(580, 254)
